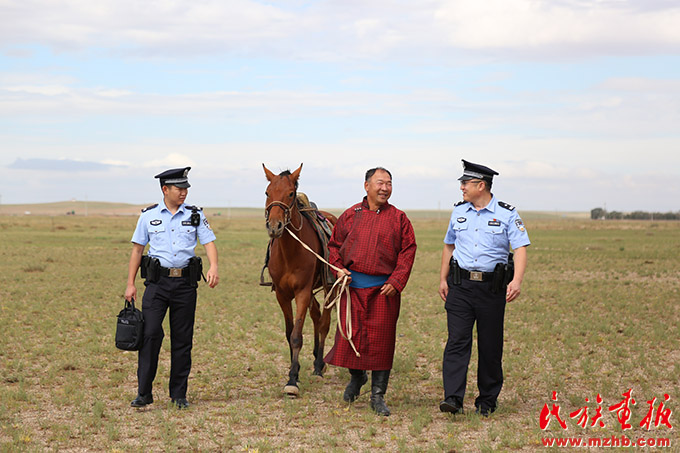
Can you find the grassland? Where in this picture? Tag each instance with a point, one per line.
(599, 314)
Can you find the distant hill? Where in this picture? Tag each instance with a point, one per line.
(100, 208)
(80, 208)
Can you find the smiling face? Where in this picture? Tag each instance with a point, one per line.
(378, 189)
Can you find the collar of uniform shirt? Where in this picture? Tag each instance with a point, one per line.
(491, 207)
(165, 208)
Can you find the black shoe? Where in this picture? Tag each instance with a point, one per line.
(353, 389)
(485, 411)
(380, 379)
(181, 403)
(452, 405)
(142, 400)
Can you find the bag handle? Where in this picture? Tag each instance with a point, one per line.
(130, 304)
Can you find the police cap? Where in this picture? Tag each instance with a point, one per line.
(175, 177)
(476, 171)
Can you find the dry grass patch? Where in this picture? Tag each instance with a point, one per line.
(597, 315)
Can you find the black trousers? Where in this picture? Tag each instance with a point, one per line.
(180, 297)
(466, 304)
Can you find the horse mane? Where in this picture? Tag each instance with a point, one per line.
(288, 173)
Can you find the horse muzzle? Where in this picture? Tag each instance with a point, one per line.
(275, 228)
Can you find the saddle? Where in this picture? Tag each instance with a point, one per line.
(323, 229)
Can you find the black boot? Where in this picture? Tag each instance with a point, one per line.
(378, 389)
(353, 389)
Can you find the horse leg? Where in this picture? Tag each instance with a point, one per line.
(319, 336)
(287, 309)
(302, 300)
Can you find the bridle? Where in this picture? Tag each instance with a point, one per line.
(286, 212)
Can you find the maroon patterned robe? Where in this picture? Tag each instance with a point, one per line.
(378, 242)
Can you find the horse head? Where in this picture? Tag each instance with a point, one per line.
(281, 194)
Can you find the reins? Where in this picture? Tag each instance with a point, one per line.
(343, 287)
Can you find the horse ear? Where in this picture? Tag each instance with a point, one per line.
(296, 174)
(268, 173)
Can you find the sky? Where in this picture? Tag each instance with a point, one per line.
(575, 103)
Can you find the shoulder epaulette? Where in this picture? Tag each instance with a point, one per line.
(459, 203)
(149, 207)
(503, 204)
(191, 207)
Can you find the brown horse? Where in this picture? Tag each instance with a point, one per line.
(295, 272)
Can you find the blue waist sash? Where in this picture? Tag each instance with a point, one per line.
(361, 280)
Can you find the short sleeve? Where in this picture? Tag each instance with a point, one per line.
(517, 232)
(205, 232)
(450, 237)
(141, 234)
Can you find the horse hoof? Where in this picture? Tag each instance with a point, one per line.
(320, 372)
(291, 390)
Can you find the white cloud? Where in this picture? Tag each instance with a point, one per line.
(172, 160)
(113, 93)
(144, 26)
(343, 29)
(665, 86)
(115, 162)
(75, 100)
(541, 27)
(46, 90)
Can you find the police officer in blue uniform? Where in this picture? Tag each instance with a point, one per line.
(172, 271)
(476, 281)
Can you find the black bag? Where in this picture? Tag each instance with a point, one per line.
(130, 328)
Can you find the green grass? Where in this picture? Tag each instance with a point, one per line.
(599, 313)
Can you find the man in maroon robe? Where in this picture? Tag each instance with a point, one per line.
(374, 243)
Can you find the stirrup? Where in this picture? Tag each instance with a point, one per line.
(262, 282)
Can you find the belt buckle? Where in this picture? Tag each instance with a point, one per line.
(476, 276)
(175, 272)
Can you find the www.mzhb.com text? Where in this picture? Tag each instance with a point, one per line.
(613, 441)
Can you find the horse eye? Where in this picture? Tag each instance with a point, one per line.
(291, 194)
(266, 194)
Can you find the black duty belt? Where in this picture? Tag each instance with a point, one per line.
(174, 271)
(476, 276)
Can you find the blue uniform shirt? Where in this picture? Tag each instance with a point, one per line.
(171, 238)
(483, 238)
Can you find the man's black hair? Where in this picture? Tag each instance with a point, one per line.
(372, 171)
